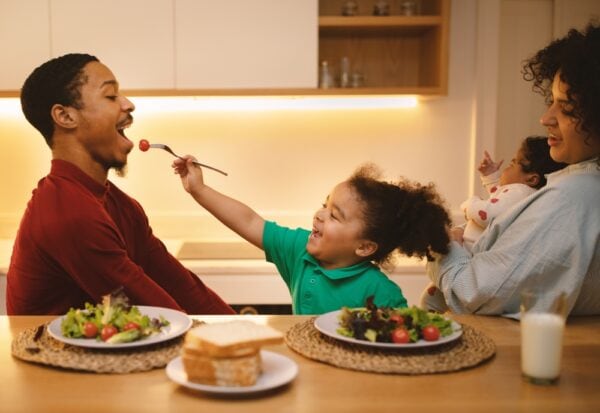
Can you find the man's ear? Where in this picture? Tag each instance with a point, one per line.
(533, 180)
(366, 248)
(64, 116)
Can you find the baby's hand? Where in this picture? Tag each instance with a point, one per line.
(487, 165)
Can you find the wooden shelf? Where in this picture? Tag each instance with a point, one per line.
(392, 53)
(399, 23)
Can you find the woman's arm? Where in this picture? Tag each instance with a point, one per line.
(538, 243)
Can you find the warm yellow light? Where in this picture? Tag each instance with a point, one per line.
(10, 107)
(269, 103)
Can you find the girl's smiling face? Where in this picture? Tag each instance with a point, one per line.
(568, 143)
(336, 239)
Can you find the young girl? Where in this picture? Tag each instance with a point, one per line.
(361, 223)
(525, 174)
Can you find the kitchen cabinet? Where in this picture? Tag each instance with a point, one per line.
(134, 38)
(24, 38)
(394, 53)
(233, 47)
(242, 44)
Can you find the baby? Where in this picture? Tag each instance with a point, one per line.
(525, 174)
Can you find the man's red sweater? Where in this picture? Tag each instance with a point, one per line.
(79, 240)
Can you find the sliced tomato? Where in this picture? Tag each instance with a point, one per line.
(131, 326)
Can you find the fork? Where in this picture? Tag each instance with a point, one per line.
(166, 148)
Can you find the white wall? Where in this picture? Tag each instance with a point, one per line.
(525, 27)
(283, 161)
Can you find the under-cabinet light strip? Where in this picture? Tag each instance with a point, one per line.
(11, 106)
(261, 104)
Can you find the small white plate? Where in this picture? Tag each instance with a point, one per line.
(179, 324)
(277, 371)
(328, 324)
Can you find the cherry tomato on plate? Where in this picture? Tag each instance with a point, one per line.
(144, 145)
(430, 333)
(397, 318)
(108, 331)
(400, 336)
(90, 330)
(131, 326)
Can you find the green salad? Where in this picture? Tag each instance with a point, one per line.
(112, 321)
(392, 325)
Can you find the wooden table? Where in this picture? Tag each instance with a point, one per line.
(320, 388)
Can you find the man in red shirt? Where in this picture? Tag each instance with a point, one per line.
(80, 236)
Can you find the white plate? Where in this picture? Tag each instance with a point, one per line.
(328, 324)
(179, 324)
(277, 371)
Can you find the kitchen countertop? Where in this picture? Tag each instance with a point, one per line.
(253, 265)
(248, 281)
(494, 386)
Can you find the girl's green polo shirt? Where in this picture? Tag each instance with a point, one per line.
(316, 290)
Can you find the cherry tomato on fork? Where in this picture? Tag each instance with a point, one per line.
(144, 145)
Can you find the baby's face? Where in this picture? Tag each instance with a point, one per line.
(513, 173)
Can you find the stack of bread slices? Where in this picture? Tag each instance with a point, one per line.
(226, 353)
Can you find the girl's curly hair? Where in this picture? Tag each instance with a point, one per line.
(404, 216)
(576, 57)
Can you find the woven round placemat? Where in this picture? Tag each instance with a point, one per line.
(37, 346)
(471, 349)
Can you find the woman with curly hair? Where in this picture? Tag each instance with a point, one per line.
(362, 222)
(551, 240)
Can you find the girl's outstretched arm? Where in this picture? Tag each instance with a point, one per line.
(237, 216)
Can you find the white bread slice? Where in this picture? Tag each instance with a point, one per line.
(222, 371)
(231, 339)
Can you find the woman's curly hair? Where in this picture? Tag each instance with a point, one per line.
(404, 216)
(576, 57)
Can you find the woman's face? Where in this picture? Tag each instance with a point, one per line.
(567, 141)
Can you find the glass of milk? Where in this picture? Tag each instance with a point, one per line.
(543, 319)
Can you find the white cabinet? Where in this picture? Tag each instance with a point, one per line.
(246, 44)
(24, 40)
(169, 45)
(134, 38)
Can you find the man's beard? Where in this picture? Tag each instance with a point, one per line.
(120, 170)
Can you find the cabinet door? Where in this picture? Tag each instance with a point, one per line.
(134, 38)
(24, 38)
(246, 44)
